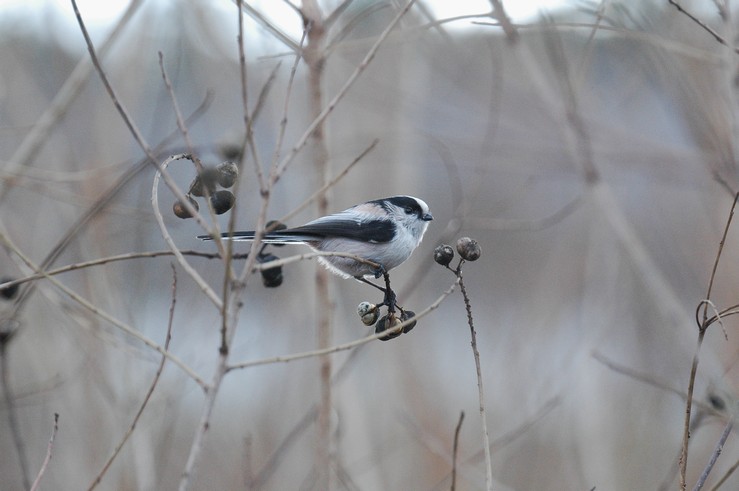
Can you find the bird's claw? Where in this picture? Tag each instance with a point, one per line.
(379, 271)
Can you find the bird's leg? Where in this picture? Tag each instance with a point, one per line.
(390, 300)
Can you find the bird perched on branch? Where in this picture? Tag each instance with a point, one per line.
(383, 231)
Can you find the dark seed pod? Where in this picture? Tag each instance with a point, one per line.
(8, 293)
(404, 316)
(179, 208)
(207, 179)
(271, 277)
(469, 249)
(444, 254)
(228, 172)
(222, 201)
(230, 151)
(386, 323)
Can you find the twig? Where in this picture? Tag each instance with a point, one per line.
(128, 121)
(47, 459)
(702, 24)
(714, 456)
(648, 379)
(330, 183)
(286, 103)
(702, 328)
(204, 287)
(455, 447)
(481, 395)
(152, 386)
(505, 21)
(349, 345)
(277, 33)
(178, 114)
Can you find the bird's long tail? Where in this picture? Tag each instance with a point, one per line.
(270, 238)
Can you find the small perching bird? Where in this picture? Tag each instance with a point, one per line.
(384, 231)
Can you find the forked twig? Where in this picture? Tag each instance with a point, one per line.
(702, 328)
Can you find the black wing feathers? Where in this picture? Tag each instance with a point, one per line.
(370, 231)
(377, 231)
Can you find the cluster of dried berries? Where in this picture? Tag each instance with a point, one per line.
(468, 250)
(205, 185)
(369, 313)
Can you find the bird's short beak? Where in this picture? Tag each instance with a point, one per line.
(427, 217)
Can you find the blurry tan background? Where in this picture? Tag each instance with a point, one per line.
(596, 167)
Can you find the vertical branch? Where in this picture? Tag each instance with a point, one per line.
(481, 394)
(314, 55)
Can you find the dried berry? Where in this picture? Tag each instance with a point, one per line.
(368, 313)
(404, 316)
(271, 277)
(469, 249)
(207, 179)
(8, 293)
(179, 208)
(228, 172)
(385, 323)
(222, 201)
(444, 254)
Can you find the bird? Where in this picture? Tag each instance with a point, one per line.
(384, 231)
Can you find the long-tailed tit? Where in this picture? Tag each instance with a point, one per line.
(385, 231)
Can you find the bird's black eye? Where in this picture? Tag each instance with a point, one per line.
(409, 210)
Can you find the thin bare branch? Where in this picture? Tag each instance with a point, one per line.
(204, 287)
(330, 183)
(702, 329)
(480, 392)
(703, 25)
(349, 345)
(714, 456)
(47, 459)
(152, 386)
